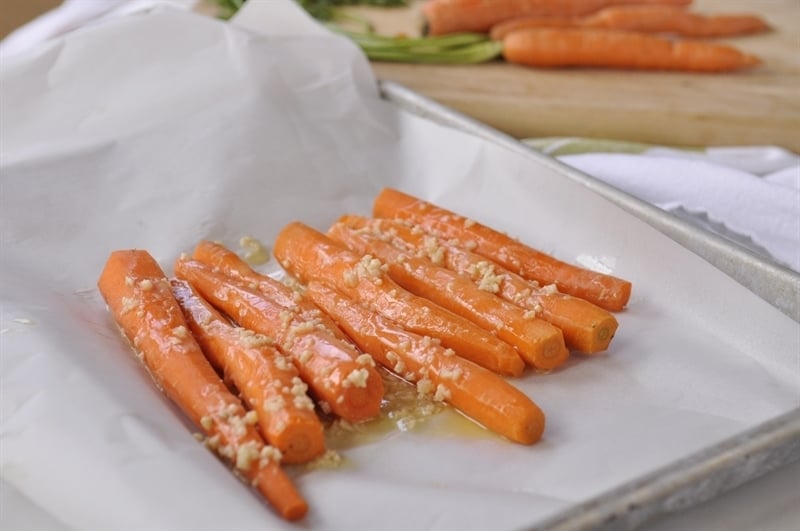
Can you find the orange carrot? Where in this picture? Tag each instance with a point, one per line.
(227, 262)
(309, 255)
(450, 16)
(342, 378)
(268, 381)
(586, 327)
(643, 18)
(557, 47)
(538, 342)
(605, 291)
(140, 299)
(473, 390)
(499, 31)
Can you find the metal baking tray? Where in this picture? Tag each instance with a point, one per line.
(718, 468)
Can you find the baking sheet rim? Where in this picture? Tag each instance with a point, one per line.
(718, 468)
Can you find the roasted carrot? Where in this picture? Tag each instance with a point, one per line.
(140, 299)
(450, 16)
(605, 291)
(643, 18)
(310, 255)
(268, 381)
(341, 377)
(586, 327)
(538, 342)
(227, 262)
(557, 47)
(473, 390)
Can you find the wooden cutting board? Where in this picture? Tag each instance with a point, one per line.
(757, 107)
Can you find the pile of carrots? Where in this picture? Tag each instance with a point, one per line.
(600, 33)
(443, 302)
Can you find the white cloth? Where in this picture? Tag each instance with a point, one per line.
(757, 206)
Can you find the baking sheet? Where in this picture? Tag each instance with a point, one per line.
(124, 136)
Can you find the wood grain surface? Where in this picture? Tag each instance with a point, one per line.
(756, 107)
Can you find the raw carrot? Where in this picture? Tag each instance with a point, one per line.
(310, 255)
(606, 291)
(340, 377)
(140, 299)
(451, 16)
(473, 390)
(499, 31)
(643, 18)
(538, 342)
(557, 47)
(586, 327)
(227, 262)
(268, 382)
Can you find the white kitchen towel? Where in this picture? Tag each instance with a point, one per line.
(759, 208)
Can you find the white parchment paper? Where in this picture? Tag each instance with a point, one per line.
(158, 129)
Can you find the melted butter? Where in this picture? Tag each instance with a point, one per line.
(254, 252)
(403, 409)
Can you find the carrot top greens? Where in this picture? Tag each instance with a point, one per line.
(321, 9)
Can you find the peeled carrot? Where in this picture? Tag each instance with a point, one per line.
(473, 390)
(140, 299)
(451, 16)
(309, 255)
(557, 47)
(268, 382)
(586, 327)
(538, 342)
(605, 291)
(341, 377)
(227, 262)
(643, 18)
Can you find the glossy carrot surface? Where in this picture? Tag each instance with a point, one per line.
(310, 255)
(586, 327)
(338, 375)
(538, 342)
(437, 372)
(140, 299)
(268, 382)
(606, 291)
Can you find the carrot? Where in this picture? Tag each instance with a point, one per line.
(141, 301)
(557, 47)
(643, 18)
(538, 342)
(451, 16)
(227, 262)
(310, 255)
(268, 382)
(473, 390)
(586, 327)
(606, 291)
(342, 378)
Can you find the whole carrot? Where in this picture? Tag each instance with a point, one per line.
(227, 262)
(310, 255)
(606, 291)
(437, 372)
(538, 342)
(586, 327)
(140, 299)
(342, 378)
(451, 16)
(557, 47)
(643, 18)
(268, 382)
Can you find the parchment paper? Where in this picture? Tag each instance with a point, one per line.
(156, 130)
